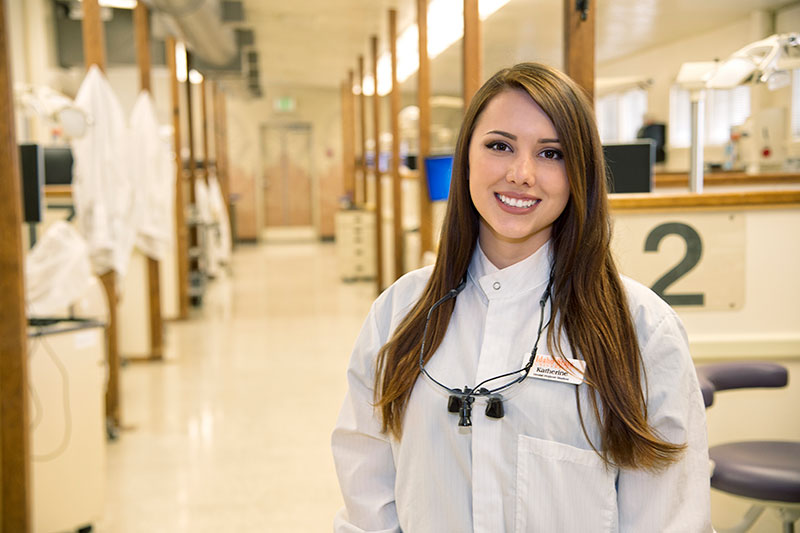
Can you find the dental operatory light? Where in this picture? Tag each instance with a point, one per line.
(765, 61)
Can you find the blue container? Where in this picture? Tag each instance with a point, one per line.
(438, 170)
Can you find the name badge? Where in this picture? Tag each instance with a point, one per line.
(562, 370)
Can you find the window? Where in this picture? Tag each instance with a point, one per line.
(620, 115)
(723, 109)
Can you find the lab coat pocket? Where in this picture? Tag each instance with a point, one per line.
(563, 488)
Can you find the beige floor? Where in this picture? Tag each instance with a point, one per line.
(232, 432)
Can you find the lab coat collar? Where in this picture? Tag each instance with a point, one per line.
(529, 274)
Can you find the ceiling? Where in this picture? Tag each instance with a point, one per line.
(315, 42)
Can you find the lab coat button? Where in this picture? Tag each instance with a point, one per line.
(496, 285)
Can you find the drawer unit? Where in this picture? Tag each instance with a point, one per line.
(355, 244)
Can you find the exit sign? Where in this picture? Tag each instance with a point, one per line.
(284, 104)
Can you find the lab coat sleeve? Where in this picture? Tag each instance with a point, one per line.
(676, 499)
(362, 454)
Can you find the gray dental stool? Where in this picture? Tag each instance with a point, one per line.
(767, 472)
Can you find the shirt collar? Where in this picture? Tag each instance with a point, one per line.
(521, 277)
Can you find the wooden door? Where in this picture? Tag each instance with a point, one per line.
(286, 153)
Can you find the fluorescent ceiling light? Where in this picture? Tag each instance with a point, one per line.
(119, 4)
(180, 62)
(195, 77)
(445, 27)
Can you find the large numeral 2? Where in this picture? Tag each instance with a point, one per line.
(694, 251)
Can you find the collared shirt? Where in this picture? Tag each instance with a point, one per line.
(533, 469)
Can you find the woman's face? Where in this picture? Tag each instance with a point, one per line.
(517, 177)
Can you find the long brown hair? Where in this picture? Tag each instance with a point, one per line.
(589, 302)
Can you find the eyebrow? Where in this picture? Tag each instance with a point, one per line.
(514, 137)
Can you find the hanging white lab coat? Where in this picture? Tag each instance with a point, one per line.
(532, 470)
(219, 214)
(57, 271)
(106, 202)
(153, 171)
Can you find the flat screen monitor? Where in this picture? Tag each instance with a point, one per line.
(438, 170)
(630, 166)
(31, 165)
(57, 165)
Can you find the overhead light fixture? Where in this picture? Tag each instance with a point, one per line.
(119, 4)
(181, 71)
(445, 27)
(195, 77)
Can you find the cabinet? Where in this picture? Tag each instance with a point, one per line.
(355, 244)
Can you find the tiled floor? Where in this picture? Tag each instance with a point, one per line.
(231, 432)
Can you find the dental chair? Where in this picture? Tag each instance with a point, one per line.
(765, 472)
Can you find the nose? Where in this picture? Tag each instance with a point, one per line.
(522, 171)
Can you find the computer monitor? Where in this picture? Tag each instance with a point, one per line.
(57, 165)
(630, 166)
(438, 170)
(31, 164)
(657, 132)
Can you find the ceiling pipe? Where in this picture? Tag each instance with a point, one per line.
(199, 25)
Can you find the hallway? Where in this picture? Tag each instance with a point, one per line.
(231, 432)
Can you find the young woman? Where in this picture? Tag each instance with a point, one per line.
(521, 384)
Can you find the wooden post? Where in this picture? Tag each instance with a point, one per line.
(473, 50)
(376, 123)
(221, 149)
(94, 48)
(204, 121)
(181, 231)
(142, 30)
(15, 497)
(397, 190)
(194, 238)
(424, 103)
(579, 44)
(362, 114)
(94, 54)
(348, 139)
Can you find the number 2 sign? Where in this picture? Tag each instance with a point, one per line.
(693, 260)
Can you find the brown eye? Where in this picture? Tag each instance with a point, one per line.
(552, 153)
(498, 146)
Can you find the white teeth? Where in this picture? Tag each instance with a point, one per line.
(516, 202)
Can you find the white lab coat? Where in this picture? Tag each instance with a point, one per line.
(153, 171)
(532, 470)
(57, 271)
(106, 202)
(219, 214)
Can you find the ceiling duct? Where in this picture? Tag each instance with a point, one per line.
(200, 26)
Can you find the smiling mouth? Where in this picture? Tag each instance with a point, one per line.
(516, 202)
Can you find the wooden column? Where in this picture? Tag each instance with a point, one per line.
(142, 31)
(181, 230)
(194, 238)
(361, 193)
(204, 121)
(376, 126)
(397, 190)
(15, 497)
(348, 139)
(473, 51)
(94, 48)
(424, 103)
(579, 44)
(94, 54)
(221, 149)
